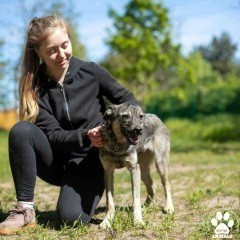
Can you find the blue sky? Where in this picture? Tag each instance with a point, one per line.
(194, 23)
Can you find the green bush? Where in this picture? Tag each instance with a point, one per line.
(214, 128)
(221, 128)
(221, 97)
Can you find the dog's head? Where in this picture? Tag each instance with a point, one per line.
(124, 122)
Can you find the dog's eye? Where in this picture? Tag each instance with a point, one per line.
(141, 116)
(125, 116)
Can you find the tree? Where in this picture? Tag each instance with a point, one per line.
(194, 70)
(141, 43)
(220, 53)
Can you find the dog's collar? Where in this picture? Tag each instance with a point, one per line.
(116, 148)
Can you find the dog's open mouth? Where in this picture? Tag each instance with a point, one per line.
(133, 138)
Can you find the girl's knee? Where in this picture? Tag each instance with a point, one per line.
(21, 128)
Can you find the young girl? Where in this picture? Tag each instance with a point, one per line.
(59, 133)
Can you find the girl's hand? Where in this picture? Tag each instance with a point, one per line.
(95, 136)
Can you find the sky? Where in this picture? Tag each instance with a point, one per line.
(194, 23)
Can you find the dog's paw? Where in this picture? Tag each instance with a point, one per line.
(105, 224)
(139, 223)
(168, 210)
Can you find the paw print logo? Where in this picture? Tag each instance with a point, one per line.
(222, 223)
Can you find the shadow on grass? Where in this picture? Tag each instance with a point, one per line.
(49, 219)
(99, 210)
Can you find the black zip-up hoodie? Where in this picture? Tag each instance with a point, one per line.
(67, 112)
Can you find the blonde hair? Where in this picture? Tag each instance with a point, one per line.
(37, 32)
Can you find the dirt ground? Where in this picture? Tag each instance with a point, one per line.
(189, 221)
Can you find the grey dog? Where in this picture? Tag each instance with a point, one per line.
(133, 139)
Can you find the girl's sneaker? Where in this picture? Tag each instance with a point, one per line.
(18, 218)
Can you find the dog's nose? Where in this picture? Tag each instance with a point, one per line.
(137, 130)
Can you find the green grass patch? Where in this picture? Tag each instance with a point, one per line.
(5, 172)
(204, 175)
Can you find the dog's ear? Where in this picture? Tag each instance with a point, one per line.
(109, 113)
(107, 118)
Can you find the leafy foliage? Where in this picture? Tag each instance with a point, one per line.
(189, 102)
(141, 43)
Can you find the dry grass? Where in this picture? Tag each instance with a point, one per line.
(203, 182)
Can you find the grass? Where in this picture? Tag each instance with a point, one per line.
(4, 169)
(205, 179)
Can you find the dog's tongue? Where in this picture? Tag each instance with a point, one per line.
(133, 138)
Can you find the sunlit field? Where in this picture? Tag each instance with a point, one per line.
(205, 179)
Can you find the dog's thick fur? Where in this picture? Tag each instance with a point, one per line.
(133, 139)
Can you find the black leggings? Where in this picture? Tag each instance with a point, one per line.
(80, 178)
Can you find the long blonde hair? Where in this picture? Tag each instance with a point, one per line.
(37, 32)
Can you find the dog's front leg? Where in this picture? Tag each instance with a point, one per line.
(109, 184)
(136, 183)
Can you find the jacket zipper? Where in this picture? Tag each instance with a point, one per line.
(66, 106)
